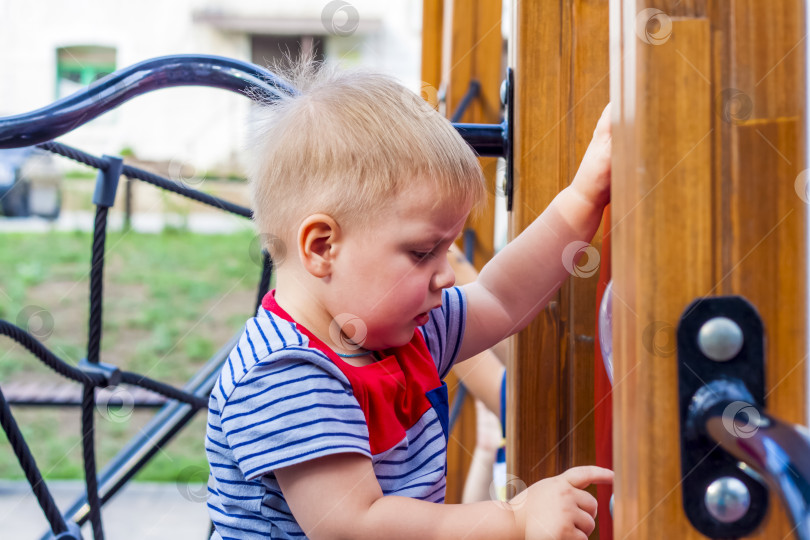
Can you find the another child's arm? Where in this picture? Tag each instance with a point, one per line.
(518, 282)
(338, 496)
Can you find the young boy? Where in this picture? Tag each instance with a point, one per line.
(329, 417)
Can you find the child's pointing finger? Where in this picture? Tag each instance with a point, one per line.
(582, 477)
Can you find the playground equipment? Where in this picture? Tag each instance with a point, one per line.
(708, 219)
(39, 128)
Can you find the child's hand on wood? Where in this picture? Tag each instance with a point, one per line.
(559, 508)
(593, 177)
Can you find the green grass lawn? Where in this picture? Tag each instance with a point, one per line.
(170, 301)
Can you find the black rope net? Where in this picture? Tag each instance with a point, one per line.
(92, 373)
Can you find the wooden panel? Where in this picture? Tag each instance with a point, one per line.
(663, 186)
(708, 141)
(535, 404)
(560, 55)
(584, 101)
(472, 50)
(432, 20)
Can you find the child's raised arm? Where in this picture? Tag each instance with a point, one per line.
(518, 282)
(338, 497)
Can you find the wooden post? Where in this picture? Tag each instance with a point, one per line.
(460, 45)
(560, 56)
(472, 49)
(708, 142)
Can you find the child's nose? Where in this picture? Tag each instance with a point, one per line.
(444, 277)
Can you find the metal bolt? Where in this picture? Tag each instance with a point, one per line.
(720, 339)
(727, 499)
(504, 87)
(611, 505)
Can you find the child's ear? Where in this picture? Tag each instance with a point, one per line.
(317, 243)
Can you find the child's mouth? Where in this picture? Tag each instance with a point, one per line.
(422, 319)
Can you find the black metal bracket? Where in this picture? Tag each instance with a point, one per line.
(111, 373)
(107, 181)
(509, 96)
(702, 459)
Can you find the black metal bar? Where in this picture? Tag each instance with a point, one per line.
(473, 90)
(67, 114)
(108, 93)
(509, 136)
(488, 140)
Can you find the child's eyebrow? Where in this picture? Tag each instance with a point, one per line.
(435, 240)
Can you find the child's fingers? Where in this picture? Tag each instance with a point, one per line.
(586, 502)
(582, 477)
(584, 522)
(603, 125)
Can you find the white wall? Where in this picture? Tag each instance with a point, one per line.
(204, 127)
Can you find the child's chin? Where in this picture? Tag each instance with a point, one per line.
(399, 340)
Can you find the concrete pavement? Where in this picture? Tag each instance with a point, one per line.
(141, 511)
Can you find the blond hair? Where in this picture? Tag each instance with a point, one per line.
(345, 144)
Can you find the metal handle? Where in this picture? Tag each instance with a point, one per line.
(732, 450)
(778, 452)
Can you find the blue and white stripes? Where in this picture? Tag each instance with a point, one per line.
(279, 401)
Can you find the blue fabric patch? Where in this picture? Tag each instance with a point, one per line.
(438, 398)
(503, 405)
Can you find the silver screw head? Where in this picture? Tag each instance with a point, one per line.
(720, 339)
(727, 499)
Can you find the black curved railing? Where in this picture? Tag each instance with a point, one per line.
(39, 128)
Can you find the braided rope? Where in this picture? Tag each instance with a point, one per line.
(96, 285)
(163, 389)
(89, 454)
(29, 467)
(148, 177)
(180, 189)
(264, 281)
(92, 380)
(74, 154)
(36, 348)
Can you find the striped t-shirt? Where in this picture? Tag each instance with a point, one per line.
(283, 397)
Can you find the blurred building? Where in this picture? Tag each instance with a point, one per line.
(49, 49)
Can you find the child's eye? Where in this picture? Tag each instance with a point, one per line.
(422, 255)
